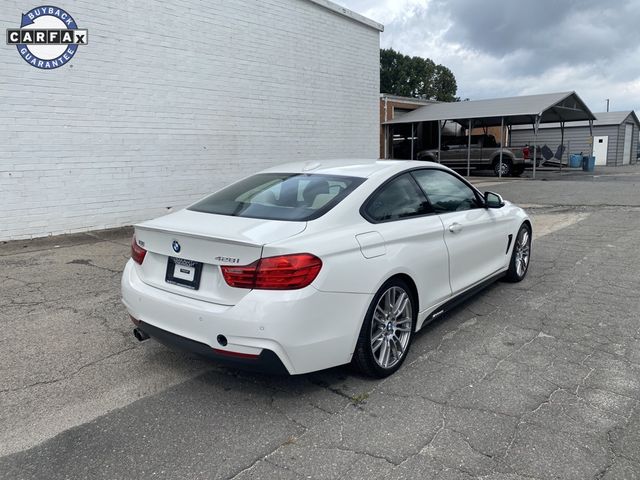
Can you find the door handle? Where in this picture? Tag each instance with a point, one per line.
(455, 228)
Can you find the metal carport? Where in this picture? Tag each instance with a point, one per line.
(529, 109)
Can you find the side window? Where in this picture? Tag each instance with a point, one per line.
(446, 192)
(400, 198)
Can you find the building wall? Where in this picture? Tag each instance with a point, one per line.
(634, 144)
(495, 131)
(619, 142)
(634, 140)
(576, 138)
(172, 100)
(389, 105)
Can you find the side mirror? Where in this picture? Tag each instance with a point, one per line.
(493, 200)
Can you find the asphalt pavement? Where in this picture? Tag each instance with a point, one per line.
(536, 380)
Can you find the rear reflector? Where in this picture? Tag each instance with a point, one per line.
(137, 252)
(285, 272)
(227, 353)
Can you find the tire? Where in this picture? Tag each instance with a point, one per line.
(380, 336)
(507, 167)
(520, 256)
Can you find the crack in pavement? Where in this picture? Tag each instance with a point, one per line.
(70, 375)
(89, 263)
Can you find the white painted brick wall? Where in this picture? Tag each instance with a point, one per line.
(172, 100)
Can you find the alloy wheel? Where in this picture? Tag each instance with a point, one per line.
(523, 250)
(504, 169)
(391, 327)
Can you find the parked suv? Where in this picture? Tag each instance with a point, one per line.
(485, 155)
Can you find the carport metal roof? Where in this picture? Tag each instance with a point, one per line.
(602, 119)
(528, 109)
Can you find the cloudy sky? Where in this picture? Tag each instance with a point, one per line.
(500, 48)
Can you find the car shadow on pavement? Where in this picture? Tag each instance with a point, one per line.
(345, 381)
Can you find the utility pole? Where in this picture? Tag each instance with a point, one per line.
(607, 104)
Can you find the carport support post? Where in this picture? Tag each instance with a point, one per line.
(412, 125)
(561, 144)
(501, 146)
(591, 133)
(536, 124)
(439, 139)
(469, 150)
(386, 139)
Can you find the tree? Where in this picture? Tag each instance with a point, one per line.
(415, 77)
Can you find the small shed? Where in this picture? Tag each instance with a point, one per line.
(615, 137)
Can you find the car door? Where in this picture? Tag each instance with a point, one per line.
(413, 237)
(475, 154)
(457, 154)
(476, 237)
(452, 156)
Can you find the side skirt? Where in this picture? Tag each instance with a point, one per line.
(461, 297)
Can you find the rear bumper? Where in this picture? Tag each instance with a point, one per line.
(306, 329)
(266, 361)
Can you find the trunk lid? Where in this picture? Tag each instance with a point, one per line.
(186, 245)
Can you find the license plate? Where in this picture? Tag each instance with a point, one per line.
(185, 273)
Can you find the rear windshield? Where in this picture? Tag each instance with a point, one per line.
(280, 196)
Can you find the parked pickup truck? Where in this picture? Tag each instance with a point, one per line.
(485, 155)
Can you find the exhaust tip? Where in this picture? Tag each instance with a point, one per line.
(222, 340)
(140, 334)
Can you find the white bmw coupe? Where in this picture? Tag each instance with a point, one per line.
(307, 266)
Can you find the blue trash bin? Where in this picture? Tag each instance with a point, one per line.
(575, 160)
(588, 163)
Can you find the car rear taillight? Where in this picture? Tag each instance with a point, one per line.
(285, 272)
(137, 252)
(525, 153)
(240, 277)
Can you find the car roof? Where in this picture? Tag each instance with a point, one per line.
(349, 167)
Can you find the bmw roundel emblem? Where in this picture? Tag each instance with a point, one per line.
(176, 246)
